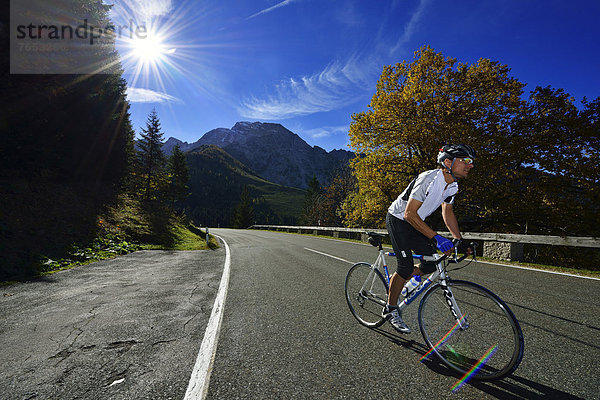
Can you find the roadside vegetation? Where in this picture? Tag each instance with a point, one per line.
(76, 186)
(127, 227)
(143, 214)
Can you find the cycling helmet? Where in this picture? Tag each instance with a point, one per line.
(453, 151)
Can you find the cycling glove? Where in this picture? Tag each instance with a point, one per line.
(443, 244)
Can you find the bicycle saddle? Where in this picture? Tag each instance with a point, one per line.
(375, 238)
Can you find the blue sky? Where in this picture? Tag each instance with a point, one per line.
(311, 64)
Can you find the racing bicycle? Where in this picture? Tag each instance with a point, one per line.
(469, 328)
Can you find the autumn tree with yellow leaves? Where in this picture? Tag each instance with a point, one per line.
(421, 105)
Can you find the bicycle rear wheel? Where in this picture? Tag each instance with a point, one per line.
(366, 294)
(489, 346)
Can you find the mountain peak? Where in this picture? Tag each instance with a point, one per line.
(275, 153)
(170, 144)
(272, 151)
(241, 125)
(259, 128)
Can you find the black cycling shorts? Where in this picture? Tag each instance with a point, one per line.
(406, 239)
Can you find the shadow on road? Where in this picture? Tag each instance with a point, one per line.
(512, 387)
(521, 388)
(556, 319)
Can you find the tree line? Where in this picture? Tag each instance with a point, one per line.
(538, 156)
(68, 155)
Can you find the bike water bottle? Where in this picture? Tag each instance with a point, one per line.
(411, 285)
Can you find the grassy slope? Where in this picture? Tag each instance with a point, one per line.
(128, 227)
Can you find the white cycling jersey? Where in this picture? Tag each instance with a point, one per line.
(431, 189)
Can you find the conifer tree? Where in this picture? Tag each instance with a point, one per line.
(314, 211)
(179, 175)
(243, 215)
(64, 136)
(151, 159)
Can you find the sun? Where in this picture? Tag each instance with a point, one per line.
(154, 48)
(149, 49)
(149, 56)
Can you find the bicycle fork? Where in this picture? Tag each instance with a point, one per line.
(461, 319)
(367, 286)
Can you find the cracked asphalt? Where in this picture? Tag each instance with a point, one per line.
(124, 328)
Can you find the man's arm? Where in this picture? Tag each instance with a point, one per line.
(450, 220)
(412, 217)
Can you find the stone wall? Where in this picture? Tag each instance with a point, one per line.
(503, 251)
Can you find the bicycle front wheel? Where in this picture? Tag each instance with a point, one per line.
(366, 294)
(486, 343)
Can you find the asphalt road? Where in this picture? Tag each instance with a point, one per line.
(131, 328)
(127, 328)
(287, 332)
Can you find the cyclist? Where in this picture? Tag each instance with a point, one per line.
(406, 226)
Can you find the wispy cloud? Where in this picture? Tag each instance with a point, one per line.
(276, 6)
(348, 15)
(326, 131)
(139, 95)
(411, 27)
(336, 86)
(140, 10)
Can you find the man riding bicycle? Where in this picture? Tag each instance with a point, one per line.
(407, 229)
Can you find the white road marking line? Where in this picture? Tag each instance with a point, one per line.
(198, 386)
(329, 255)
(539, 270)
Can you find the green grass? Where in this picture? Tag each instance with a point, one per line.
(155, 227)
(183, 237)
(186, 238)
(101, 248)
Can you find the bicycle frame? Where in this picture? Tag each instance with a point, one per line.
(491, 330)
(440, 274)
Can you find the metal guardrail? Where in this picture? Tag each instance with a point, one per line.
(496, 245)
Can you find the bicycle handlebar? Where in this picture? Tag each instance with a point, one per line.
(457, 259)
(375, 240)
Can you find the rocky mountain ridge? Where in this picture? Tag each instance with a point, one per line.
(272, 151)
